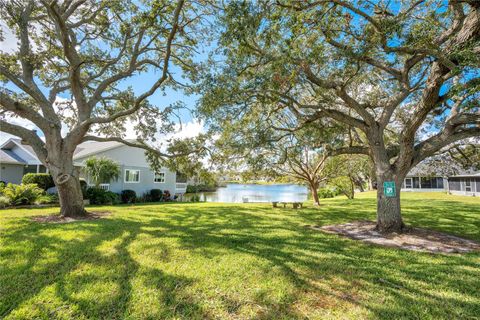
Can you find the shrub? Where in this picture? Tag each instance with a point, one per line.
(42, 180)
(4, 202)
(128, 196)
(326, 193)
(46, 199)
(156, 195)
(201, 188)
(144, 198)
(100, 196)
(195, 198)
(22, 194)
(166, 195)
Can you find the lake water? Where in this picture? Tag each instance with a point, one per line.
(237, 193)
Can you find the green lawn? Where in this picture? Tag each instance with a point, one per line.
(225, 261)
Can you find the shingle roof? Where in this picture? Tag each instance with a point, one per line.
(7, 156)
(89, 148)
(474, 174)
(83, 150)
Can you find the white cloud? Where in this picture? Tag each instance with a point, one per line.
(185, 130)
(190, 129)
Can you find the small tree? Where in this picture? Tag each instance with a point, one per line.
(102, 170)
(259, 149)
(348, 171)
(343, 185)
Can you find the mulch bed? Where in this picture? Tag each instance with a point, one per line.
(94, 215)
(415, 239)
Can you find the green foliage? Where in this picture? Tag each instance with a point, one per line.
(128, 196)
(102, 170)
(47, 199)
(145, 197)
(343, 185)
(4, 201)
(202, 188)
(156, 195)
(42, 180)
(358, 169)
(324, 193)
(100, 196)
(22, 194)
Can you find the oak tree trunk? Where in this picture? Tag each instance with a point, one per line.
(389, 217)
(71, 198)
(66, 178)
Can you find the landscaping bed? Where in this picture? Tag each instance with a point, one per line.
(416, 239)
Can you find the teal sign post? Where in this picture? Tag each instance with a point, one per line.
(389, 189)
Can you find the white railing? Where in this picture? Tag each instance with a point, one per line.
(104, 186)
(180, 187)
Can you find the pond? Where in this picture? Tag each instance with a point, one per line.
(237, 193)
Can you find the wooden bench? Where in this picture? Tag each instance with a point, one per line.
(295, 205)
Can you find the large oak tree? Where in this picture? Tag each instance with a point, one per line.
(402, 75)
(83, 51)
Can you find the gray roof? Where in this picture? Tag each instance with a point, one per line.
(474, 174)
(93, 147)
(7, 156)
(29, 149)
(83, 150)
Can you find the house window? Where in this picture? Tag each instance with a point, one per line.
(468, 185)
(132, 176)
(159, 177)
(408, 183)
(426, 183)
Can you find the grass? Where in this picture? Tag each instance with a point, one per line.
(227, 261)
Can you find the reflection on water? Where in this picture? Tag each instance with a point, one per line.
(235, 193)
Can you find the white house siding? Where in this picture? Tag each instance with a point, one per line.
(134, 159)
(11, 173)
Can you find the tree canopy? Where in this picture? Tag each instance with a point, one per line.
(403, 76)
(68, 75)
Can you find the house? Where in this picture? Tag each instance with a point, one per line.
(465, 184)
(17, 159)
(418, 180)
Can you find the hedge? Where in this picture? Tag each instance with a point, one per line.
(42, 180)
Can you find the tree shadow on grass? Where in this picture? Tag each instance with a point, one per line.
(325, 272)
(410, 279)
(88, 283)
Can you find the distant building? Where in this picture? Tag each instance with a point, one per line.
(425, 179)
(418, 179)
(425, 184)
(465, 184)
